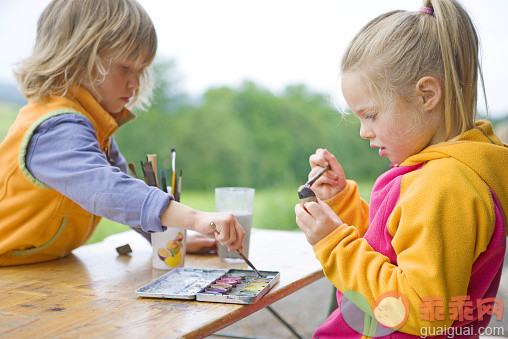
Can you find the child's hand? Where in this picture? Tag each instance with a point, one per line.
(201, 244)
(229, 232)
(332, 181)
(318, 222)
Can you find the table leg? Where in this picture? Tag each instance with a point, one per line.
(288, 326)
(276, 315)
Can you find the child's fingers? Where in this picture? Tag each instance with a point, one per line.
(327, 181)
(329, 212)
(315, 170)
(318, 159)
(306, 223)
(323, 158)
(200, 244)
(314, 221)
(325, 208)
(240, 234)
(328, 175)
(235, 234)
(223, 232)
(302, 226)
(327, 178)
(332, 161)
(303, 216)
(315, 210)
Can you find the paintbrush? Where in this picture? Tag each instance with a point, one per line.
(177, 198)
(133, 170)
(153, 159)
(164, 186)
(306, 194)
(179, 192)
(316, 177)
(148, 172)
(173, 168)
(247, 261)
(143, 171)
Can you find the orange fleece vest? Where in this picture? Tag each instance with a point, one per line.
(36, 222)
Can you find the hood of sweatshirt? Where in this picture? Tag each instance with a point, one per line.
(482, 151)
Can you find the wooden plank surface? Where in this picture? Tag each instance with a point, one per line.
(91, 293)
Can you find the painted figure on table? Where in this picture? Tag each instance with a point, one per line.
(436, 223)
(61, 168)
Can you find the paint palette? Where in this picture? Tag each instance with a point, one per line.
(214, 285)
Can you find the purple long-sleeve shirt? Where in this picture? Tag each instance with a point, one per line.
(64, 154)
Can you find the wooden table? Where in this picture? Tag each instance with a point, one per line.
(91, 293)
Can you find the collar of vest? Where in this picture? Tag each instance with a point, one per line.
(103, 119)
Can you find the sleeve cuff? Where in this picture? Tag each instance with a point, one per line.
(155, 203)
(332, 237)
(339, 196)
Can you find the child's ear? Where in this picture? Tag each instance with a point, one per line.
(429, 92)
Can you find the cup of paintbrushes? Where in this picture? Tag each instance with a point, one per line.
(169, 247)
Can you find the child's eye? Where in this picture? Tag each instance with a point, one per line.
(371, 116)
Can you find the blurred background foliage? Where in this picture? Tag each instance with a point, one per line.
(239, 136)
(244, 136)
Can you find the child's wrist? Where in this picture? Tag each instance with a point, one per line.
(193, 219)
(179, 215)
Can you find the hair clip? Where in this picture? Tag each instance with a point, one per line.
(427, 10)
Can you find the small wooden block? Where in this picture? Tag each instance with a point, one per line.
(124, 249)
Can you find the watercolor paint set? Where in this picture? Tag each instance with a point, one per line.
(232, 286)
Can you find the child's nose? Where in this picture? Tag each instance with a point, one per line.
(133, 82)
(366, 132)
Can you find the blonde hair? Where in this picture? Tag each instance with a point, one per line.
(71, 37)
(398, 48)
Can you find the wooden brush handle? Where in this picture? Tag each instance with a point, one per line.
(153, 159)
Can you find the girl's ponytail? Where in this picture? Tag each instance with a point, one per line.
(459, 45)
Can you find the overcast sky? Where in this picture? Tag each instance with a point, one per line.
(272, 42)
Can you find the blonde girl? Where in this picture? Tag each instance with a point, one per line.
(427, 253)
(61, 168)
